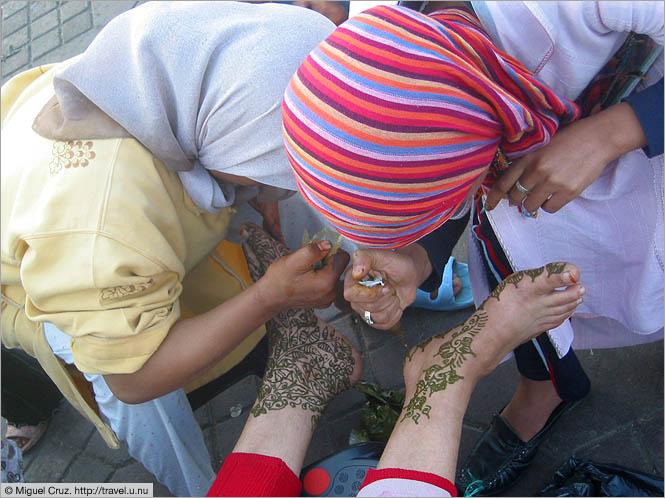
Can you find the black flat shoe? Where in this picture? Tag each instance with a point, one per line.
(500, 456)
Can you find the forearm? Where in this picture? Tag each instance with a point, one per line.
(195, 344)
(618, 130)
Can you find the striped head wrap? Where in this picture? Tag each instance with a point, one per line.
(390, 120)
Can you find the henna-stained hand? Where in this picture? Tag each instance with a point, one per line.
(288, 280)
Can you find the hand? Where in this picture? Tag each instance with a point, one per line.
(402, 271)
(271, 221)
(291, 282)
(575, 157)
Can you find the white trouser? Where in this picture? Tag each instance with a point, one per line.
(162, 434)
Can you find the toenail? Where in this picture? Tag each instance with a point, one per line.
(571, 277)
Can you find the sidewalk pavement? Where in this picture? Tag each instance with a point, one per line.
(620, 422)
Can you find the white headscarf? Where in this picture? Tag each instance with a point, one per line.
(199, 84)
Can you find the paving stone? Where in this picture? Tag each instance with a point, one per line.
(320, 446)
(56, 458)
(44, 23)
(203, 415)
(97, 448)
(77, 25)
(12, 43)
(209, 436)
(39, 9)
(136, 473)
(104, 11)
(338, 431)
(17, 62)
(343, 403)
(386, 364)
(86, 469)
(70, 426)
(349, 329)
(14, 22)
(491, 394)
(45, 43)
(12, 7)
(241, 393)
(650, 436)
(227, 434)
(73, 8)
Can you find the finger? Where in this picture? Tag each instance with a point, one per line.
(363, 296)
(556, 202)
(382, 305)
(325, 300)
(304, 258)
(503, 184)
(538, 196)
(362, 263)
(386, 323)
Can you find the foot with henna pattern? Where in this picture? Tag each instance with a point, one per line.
(441, 372)
(309, 363)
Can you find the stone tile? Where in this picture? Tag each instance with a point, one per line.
(44, 23)
(491, 394)
(386, 364)
(209, 437)
(338, 431)
(71, 9)
(70, 426)
(45, 43)
(52, 462)
(15, 21)
(104, 11)
(12, 7)
(620, 448)
(80, 23)
(12, 43)
(320, 445)
(371, 337)
(136, 473)
(227, 434)
(39, 9)
(86, 469)
(97, 448)
(649, 433)
(20, 60)
(73, 47)
(203, 415)
(242, 393)
(345, 402)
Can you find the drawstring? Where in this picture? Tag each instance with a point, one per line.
(475, 487)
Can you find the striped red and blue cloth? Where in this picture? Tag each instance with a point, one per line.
(392, 119)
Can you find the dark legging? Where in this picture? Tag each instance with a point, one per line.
(567, 375)
(29, 396)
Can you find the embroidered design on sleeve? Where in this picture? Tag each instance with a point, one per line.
(120, 291)
(71, 154)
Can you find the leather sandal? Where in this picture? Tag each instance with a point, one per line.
(26, 436)
(500, 456)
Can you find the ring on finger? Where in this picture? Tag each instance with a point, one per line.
(368, 318)
(525, 212)
(522, 188)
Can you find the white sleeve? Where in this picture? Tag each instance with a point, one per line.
(640, 17)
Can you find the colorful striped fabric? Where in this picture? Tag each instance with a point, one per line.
(390, 121)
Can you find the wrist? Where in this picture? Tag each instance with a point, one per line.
(268, 297)
(422, 265)
(619, 130)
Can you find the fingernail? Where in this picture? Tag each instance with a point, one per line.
(323, 245)
(580, 301)
(385, 290)
(582, 291)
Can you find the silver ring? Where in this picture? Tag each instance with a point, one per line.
(368, 318)
(522, 188)
(527, 213)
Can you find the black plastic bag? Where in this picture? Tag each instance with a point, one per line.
(581, 477)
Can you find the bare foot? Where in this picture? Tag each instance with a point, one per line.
(309, 362)
(524, 305)
(533, 403)
(457, 284)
